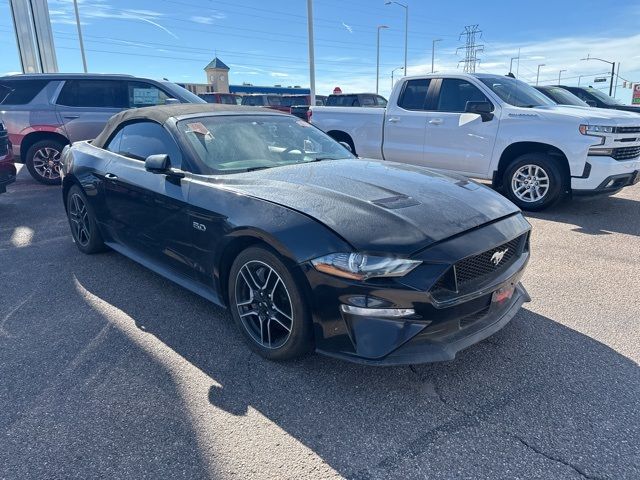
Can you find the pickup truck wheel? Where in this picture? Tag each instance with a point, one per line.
(533, 181)
(43, 161)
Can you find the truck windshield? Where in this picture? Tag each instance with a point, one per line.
(516, 93)
(564, 97)
(603, 97)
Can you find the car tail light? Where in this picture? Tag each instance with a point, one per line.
(309, 114)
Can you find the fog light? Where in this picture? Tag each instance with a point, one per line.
(610, 183)
(378, 312)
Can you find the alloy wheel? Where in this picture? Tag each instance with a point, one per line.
(79, 217)
(264, 304)
(46, 161)
(530, 183)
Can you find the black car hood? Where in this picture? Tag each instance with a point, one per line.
(376, 206)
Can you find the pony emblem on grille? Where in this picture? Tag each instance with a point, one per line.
(497, 257)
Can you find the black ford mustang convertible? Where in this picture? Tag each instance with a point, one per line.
(308, 246)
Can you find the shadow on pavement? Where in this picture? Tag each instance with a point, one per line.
(596, 216)
(535, 386)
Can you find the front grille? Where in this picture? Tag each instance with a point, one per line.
(626, 153)
(626, 130)
(4, 140)
(475, 270)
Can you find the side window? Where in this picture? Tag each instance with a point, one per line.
(455, 93)
(381, 101)
(368, 101)
(93, 93)
(141, 139)
(414, 94)
(142, 94)
(20, 92)
(114, 144)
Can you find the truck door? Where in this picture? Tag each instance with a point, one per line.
(405, 123)
(455, 140)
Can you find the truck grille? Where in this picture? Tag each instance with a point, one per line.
(627, 130)
(475, 270)
(4, 140)
(626, 153)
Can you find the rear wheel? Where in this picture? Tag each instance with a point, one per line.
(43, 161)
(82, 221)
(533, 181)
(267, 305)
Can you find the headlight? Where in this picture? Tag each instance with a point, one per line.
(357, 266)
(591, 129)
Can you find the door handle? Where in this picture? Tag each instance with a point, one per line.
(436, 121)
(393, 119)
(110, 176)
(70, 117)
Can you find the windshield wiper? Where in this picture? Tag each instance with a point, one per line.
(253, 169)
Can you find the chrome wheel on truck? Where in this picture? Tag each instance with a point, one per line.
(530, 183)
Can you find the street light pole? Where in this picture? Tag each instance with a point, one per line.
(392, 72)
(433, 51)
(380, 27)
(406, 29)
(84, 58)
(312, 66)
(511, 63)
(538, 74)
(560, 75)
(613, 69)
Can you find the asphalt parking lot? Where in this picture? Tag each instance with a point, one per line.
(108, 370)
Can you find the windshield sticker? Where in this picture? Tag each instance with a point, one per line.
(146, 96)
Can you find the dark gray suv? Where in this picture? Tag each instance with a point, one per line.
(45, 112)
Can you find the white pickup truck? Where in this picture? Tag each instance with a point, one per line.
(497, 128)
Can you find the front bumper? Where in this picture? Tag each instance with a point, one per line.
(606, 175)
(422, 326)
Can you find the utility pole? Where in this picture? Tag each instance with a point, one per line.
(84, 58)
(380, 27)
(392, 72)
(615, 89)
(471, 48)
(312, 66)
(406, 28)
(613, 69)
(538, 74)
(511, 63)
(433, 52)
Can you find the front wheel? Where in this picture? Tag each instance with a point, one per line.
(533, 181)
(268, 305)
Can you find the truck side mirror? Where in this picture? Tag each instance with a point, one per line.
(484, 109)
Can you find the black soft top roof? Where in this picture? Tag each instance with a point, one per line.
(161, 113)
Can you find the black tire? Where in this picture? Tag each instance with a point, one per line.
(266, 330)
(82, 221)
(539, 175)
(43, 161)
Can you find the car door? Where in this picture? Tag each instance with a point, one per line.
(405, 123)
(148, 212)
(458, 141)
(84, 106)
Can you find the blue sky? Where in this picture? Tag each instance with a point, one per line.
(265, 42)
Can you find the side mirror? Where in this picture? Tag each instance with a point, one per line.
(591, 103)
(347, 146)
(484, 109)
(161, 164)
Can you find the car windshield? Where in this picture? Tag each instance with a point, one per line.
(564, 97)
(515, 92)
(240, 143)
(603, 97)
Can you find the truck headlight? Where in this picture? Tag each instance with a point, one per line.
(358, 266)
(594, 129)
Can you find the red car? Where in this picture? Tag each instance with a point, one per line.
(224, 98)
(7, 167)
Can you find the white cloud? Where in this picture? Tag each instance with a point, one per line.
(208, 19)
(278, 74)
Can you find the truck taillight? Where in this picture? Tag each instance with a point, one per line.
(309, 114)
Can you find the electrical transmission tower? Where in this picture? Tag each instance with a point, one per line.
(471, 48)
